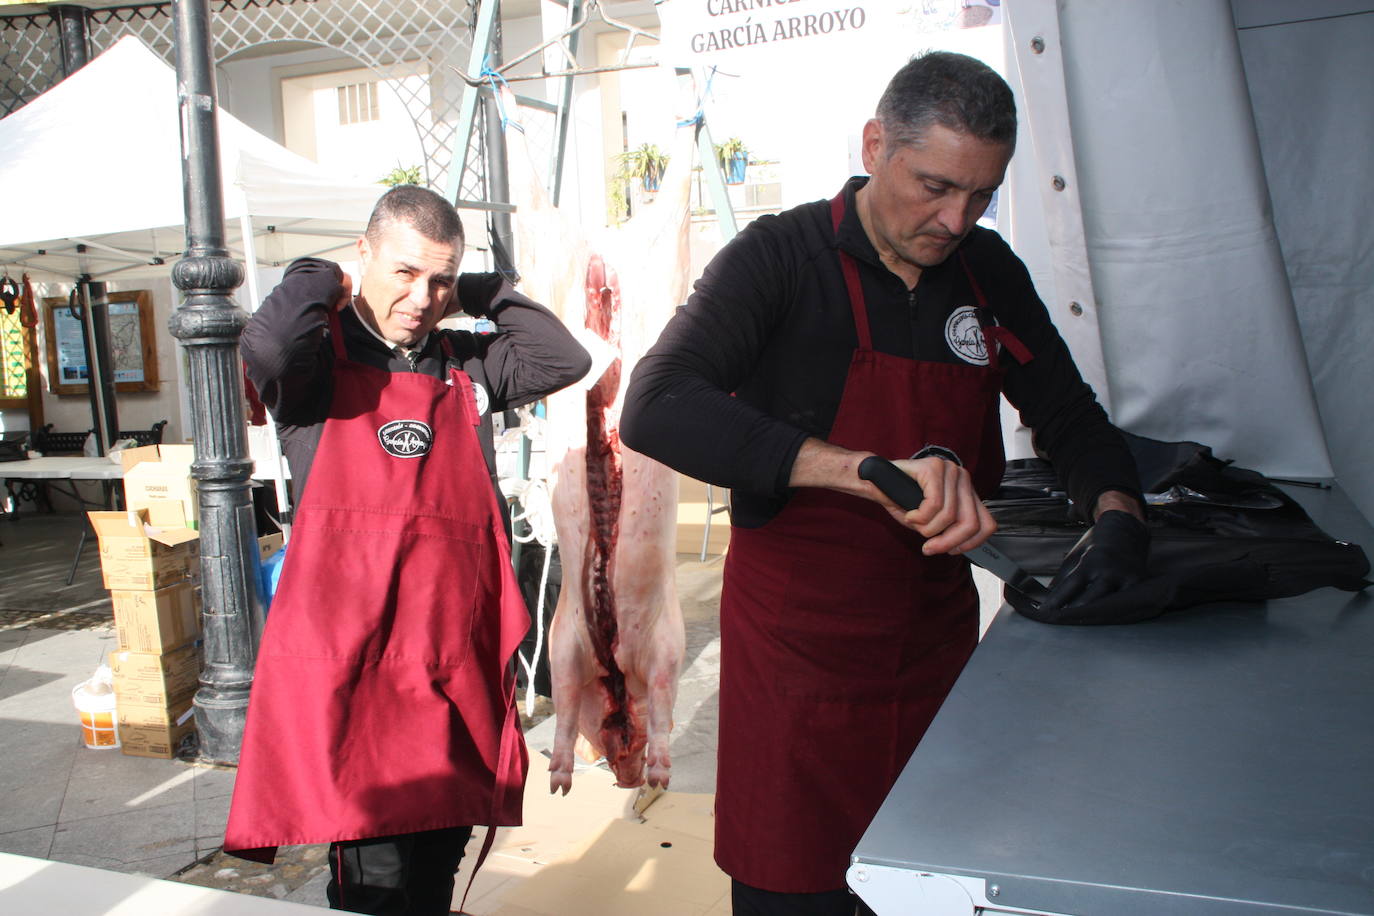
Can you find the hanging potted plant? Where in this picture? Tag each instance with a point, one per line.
(647, 163)
(734, 159)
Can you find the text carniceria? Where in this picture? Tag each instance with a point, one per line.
(721, 7)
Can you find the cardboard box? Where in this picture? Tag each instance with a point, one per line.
(157, 474)
(150, 679)
(140, 556)
(148, 731)
(269, 544)
(157, 621)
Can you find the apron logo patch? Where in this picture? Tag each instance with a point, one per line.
(406, 438)
(965, 336)
(480, 395)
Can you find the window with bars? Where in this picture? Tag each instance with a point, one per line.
(358, 103)
(14, 346)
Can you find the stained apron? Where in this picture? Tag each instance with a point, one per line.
(839, 639)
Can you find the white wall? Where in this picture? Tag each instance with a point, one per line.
(247, 86)
(368, 149)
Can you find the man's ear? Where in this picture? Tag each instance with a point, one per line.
(872, 145)
(364, 254)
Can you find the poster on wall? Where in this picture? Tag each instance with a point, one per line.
(69, 367)
(133, 346)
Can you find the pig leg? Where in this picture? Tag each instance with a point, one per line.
(572, 660)
(652, 637)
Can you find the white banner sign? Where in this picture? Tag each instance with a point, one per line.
(702, 32)
(732, 32)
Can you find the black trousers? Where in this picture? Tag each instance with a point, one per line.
(410, 874)
(752, 901)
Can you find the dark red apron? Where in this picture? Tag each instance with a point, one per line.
(839, 640)
(383, 698)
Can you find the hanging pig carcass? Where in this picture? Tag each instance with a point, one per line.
(616, 640)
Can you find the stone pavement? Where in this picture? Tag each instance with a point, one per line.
(165, 818)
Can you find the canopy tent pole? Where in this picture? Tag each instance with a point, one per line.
(250, 257)
(95, 328)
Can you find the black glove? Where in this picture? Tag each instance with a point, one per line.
(1110, 557)
(475, 293)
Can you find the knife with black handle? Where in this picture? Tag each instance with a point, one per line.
(906, 493)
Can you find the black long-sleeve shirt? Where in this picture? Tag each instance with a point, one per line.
(757, 359)
(290, 360)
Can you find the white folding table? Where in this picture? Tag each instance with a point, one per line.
(55, 469)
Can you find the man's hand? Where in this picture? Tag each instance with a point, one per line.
(951, 516)
(345, 293)
(1115, 499)
(1110, 557)
(474, 294)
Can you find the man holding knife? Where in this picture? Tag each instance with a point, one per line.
(883, 322)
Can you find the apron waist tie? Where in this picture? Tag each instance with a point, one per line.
(510, 736)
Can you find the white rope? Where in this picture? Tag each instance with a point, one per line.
(533, 495)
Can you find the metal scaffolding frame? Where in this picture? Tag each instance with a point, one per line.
(468, 185)
(388, 37)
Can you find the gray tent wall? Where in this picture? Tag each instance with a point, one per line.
(1200, 334)
(1226, 240)
(1309, 65)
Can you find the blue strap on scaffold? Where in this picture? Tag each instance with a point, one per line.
(492, 77)
(701, 101)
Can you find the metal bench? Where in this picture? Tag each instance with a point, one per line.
(50, 442)
(13, 446)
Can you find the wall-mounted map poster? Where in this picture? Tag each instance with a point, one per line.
(133, 349)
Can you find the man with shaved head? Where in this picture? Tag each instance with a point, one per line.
(382, 717)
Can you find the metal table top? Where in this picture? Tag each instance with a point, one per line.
(62, 468)
(1217, 760)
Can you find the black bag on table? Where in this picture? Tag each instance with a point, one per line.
(1217, 533)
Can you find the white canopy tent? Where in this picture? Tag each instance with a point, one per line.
(95, 163)
(92, 185)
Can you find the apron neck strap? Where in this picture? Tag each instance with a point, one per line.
(850, 269)
(977, 290)
(993, 333)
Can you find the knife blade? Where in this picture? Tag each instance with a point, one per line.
(899, 487)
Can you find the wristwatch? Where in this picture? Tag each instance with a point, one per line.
(938, 451)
